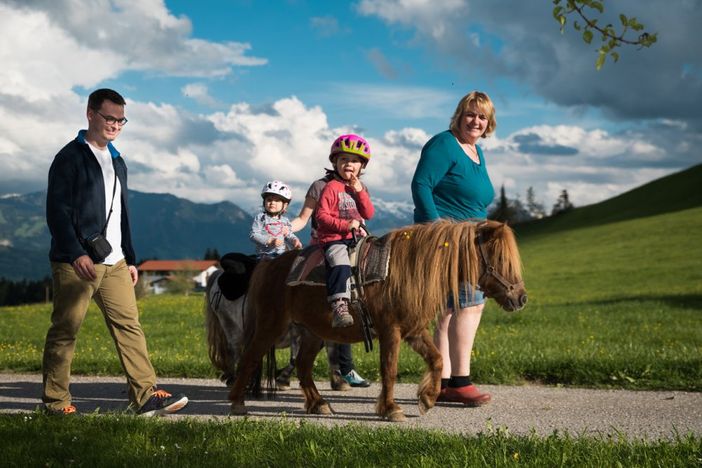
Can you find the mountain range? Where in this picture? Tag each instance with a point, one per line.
(163, 227)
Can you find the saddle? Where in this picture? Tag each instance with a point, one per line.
(238, 268)
(370, 258)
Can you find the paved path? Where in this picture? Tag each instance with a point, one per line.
(519, 410)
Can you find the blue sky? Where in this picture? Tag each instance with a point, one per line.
(224, 95)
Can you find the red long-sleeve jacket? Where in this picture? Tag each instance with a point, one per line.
(338, 204)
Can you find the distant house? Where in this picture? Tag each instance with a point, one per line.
(158, 273)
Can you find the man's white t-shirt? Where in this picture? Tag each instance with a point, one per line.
(114, 230)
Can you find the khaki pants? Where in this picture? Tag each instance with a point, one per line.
(114, 294)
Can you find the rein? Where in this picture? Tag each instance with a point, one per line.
(489, 269)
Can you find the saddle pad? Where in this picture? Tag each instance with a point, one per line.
(375, 262)
(308, 268)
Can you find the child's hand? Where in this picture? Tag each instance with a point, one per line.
(275, 241)
(355, 183)
(354, 224)
(285, 231)
(297, 244)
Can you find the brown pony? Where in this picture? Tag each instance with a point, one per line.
(428, 262)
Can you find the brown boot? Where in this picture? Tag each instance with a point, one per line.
(341, 317)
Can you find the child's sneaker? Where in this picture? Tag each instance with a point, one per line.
(162, 402)
(66, 411)
(355, 380)
(341, 317)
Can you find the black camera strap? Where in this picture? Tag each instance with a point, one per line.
(112, 203)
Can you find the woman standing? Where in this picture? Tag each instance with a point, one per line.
(451, 181)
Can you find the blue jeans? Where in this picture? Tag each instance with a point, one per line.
(468, 296)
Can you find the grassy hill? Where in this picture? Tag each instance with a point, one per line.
(615, 290)
(626, 247)
(676, 192)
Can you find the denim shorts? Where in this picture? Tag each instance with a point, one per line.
(468, 296)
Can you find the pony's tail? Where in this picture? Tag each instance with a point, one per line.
(217, 345)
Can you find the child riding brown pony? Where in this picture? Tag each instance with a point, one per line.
(428, 262)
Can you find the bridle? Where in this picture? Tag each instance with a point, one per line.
(489, 270)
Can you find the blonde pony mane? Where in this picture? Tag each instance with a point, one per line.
(429, 261)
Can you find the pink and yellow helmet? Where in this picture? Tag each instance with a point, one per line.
(351, 144)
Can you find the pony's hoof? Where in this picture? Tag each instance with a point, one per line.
(396, 415)
(237, 410)
(321, 408)
(425, 405)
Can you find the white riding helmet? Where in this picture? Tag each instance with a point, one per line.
(277, 187)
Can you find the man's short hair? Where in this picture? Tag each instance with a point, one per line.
(97, 97)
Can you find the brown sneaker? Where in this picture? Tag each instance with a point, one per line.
(341, 317)
(468, 395)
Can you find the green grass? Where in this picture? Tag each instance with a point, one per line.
(37, 440)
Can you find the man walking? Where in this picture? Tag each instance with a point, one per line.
(92, 257)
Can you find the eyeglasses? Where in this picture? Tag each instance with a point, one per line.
(113, 120)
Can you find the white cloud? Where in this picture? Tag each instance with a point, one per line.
(199, 93)
(40, 60)
(603, 166)
(325, 26)
(406, 102)
(430, 17)
(381, 63)
(50, 47)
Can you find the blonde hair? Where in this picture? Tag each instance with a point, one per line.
(483, 103)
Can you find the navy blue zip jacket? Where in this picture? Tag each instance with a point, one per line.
(75, 201)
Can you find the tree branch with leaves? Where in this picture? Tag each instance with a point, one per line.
(610, 38)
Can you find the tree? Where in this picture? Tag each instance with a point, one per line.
(563, 204)
(211, 254)
(508, 210)
(502, 211)
(610, 38)
(534, 208)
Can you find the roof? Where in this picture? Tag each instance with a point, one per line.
(176, 265)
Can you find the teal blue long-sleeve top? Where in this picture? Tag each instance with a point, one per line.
(449, 184)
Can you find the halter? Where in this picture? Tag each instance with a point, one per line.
(489, 269)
